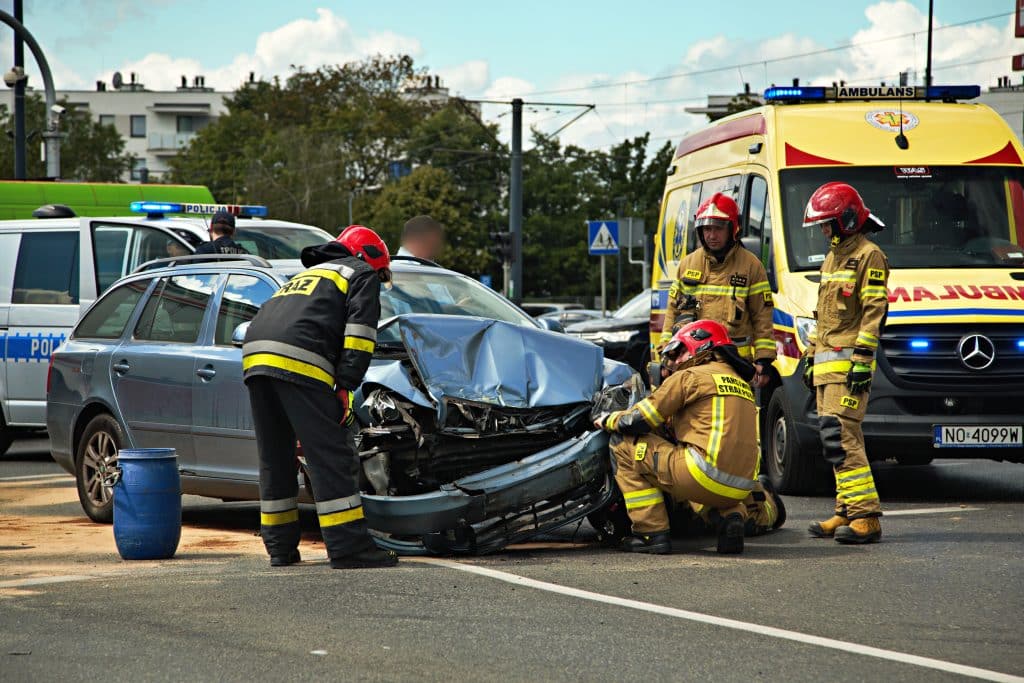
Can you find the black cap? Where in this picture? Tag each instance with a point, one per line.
(223, 218)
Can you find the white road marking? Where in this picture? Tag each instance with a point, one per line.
(927, 511)
(796, 636)
(27, 477)
(43, 580)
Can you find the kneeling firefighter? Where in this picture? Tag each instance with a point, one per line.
(694, 438)
(305, 352)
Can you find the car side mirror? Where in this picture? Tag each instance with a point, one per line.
(551, 324)
(238, 336)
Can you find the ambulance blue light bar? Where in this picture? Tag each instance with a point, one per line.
(240, 210)
(945, 93)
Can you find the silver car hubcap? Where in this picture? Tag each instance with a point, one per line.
(779, 444)
(99, 459)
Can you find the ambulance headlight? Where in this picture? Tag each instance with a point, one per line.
(806, 328)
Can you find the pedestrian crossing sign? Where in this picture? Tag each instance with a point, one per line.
(603, 237)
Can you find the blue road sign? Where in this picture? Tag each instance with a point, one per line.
(603, 237)
(487, 281)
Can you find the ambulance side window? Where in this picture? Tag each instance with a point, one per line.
(759, 222)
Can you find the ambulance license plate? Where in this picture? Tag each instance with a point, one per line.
(978, 436)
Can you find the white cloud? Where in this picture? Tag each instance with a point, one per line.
(468, 77)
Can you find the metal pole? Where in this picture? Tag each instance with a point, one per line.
(515, 202)
(928, 64)
(604, 291)
(350, 208)
(506, 271)
(19, 100)
(646, 267)
(51, 136)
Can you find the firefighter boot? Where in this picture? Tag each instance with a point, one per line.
(658, 543)
(285, 560)
(730, 534)
(827, 529)
(370, 558)
(862, 530)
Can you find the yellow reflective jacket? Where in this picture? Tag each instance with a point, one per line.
(852, 305)
(734, 292)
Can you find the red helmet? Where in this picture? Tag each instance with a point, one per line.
(698, 337)
(367, 245)
(719, 209)
(841, 206)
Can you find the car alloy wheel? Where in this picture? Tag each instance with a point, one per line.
(97, 462)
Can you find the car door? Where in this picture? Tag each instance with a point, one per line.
(152, 371)
(116, 249)
(44, 306)
(225, 444)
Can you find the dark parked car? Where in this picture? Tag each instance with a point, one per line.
(571, 316)
(475, 419)
(625, 335)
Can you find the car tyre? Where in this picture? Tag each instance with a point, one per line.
(611, 522)
(791, 469)
(95, 457)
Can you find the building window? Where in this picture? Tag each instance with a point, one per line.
(108, 120)
(186, 124)
(139, 170)
(138, 126)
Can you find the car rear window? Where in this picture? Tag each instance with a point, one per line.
(174, 312)
(108, 318)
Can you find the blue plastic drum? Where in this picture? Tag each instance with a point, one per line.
(147, 504)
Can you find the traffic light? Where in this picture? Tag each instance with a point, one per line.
(501, 245)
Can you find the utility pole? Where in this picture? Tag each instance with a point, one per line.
(928, 63)
(515, 202)
(19, 99)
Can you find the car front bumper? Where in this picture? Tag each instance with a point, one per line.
(486, 511)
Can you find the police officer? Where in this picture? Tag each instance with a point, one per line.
(305, 352)
(222, 228)
(724, 282)
(694, 438)
(852, 305)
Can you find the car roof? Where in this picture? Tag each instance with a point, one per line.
(283, 267)
(195, 224)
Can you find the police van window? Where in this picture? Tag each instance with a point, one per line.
(243, 296)
(108, 318)
(936, 217)
(119, 249)
(174, 312)
(47, 269)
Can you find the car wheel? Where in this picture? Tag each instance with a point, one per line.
(95, 457)
(611, 522)
(6, 439)
(914, 460)
(791, 469)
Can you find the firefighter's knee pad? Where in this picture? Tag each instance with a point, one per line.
(831, 440)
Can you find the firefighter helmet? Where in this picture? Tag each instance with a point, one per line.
(365, 244)
(841, 207)
(699, 338)
(719, 209)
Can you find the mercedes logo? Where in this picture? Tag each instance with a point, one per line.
(976, 351)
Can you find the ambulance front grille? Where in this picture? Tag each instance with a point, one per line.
(929, 354)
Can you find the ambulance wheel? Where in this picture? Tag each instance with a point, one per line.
(94, 459)
(791, 469)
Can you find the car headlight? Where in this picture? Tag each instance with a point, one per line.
(609, 337)
(806, 328)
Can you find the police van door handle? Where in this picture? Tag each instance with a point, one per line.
(207, 373)
(121, 367)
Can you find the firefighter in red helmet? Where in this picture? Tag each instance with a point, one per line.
(840, 360)
(305, 352)
(695, 439)
(724, 282)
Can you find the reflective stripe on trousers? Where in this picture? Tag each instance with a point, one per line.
(715, 480)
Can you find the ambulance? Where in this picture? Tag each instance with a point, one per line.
(947, 178)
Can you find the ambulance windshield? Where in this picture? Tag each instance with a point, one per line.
(935, 217)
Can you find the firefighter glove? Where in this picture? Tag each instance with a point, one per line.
(859, 378)
(347, 416)
(809, 373)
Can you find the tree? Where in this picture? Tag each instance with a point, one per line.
(88, 151)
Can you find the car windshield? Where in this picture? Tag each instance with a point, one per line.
(279, 242)
(637, 307)
(935, 217)
(444, 293)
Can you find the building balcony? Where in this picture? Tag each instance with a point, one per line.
(168, 143)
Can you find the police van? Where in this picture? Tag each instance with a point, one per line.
(53, 266)
(947, 178)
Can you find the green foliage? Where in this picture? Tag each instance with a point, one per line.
(88, 152)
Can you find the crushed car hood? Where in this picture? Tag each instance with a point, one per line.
(496, 363)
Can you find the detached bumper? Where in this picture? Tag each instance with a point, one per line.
(486, 511)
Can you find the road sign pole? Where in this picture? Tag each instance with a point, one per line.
(604, 290)
(515, 201)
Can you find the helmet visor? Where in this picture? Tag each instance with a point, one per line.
(672, 349)
(714, 223)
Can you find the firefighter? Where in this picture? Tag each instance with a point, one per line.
(305, 352)
(852, 305)
(722, 281)
(695, 439)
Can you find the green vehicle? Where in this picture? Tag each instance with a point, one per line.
(19, 198)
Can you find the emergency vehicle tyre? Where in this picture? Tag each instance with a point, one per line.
(914, 460)
(6, 438)
(95, 458)
(791, 470)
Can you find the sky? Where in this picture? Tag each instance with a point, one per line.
(641, 62)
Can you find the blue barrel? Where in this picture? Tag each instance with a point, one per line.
(147, 504)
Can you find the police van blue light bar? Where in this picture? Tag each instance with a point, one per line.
(240, 210)
(944, 93)
(920, 344)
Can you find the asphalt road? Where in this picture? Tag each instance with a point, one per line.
(944, 589)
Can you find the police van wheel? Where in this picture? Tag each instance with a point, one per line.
(94, 459)
(790, 469)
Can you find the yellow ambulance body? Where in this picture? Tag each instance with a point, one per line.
(947, 179)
